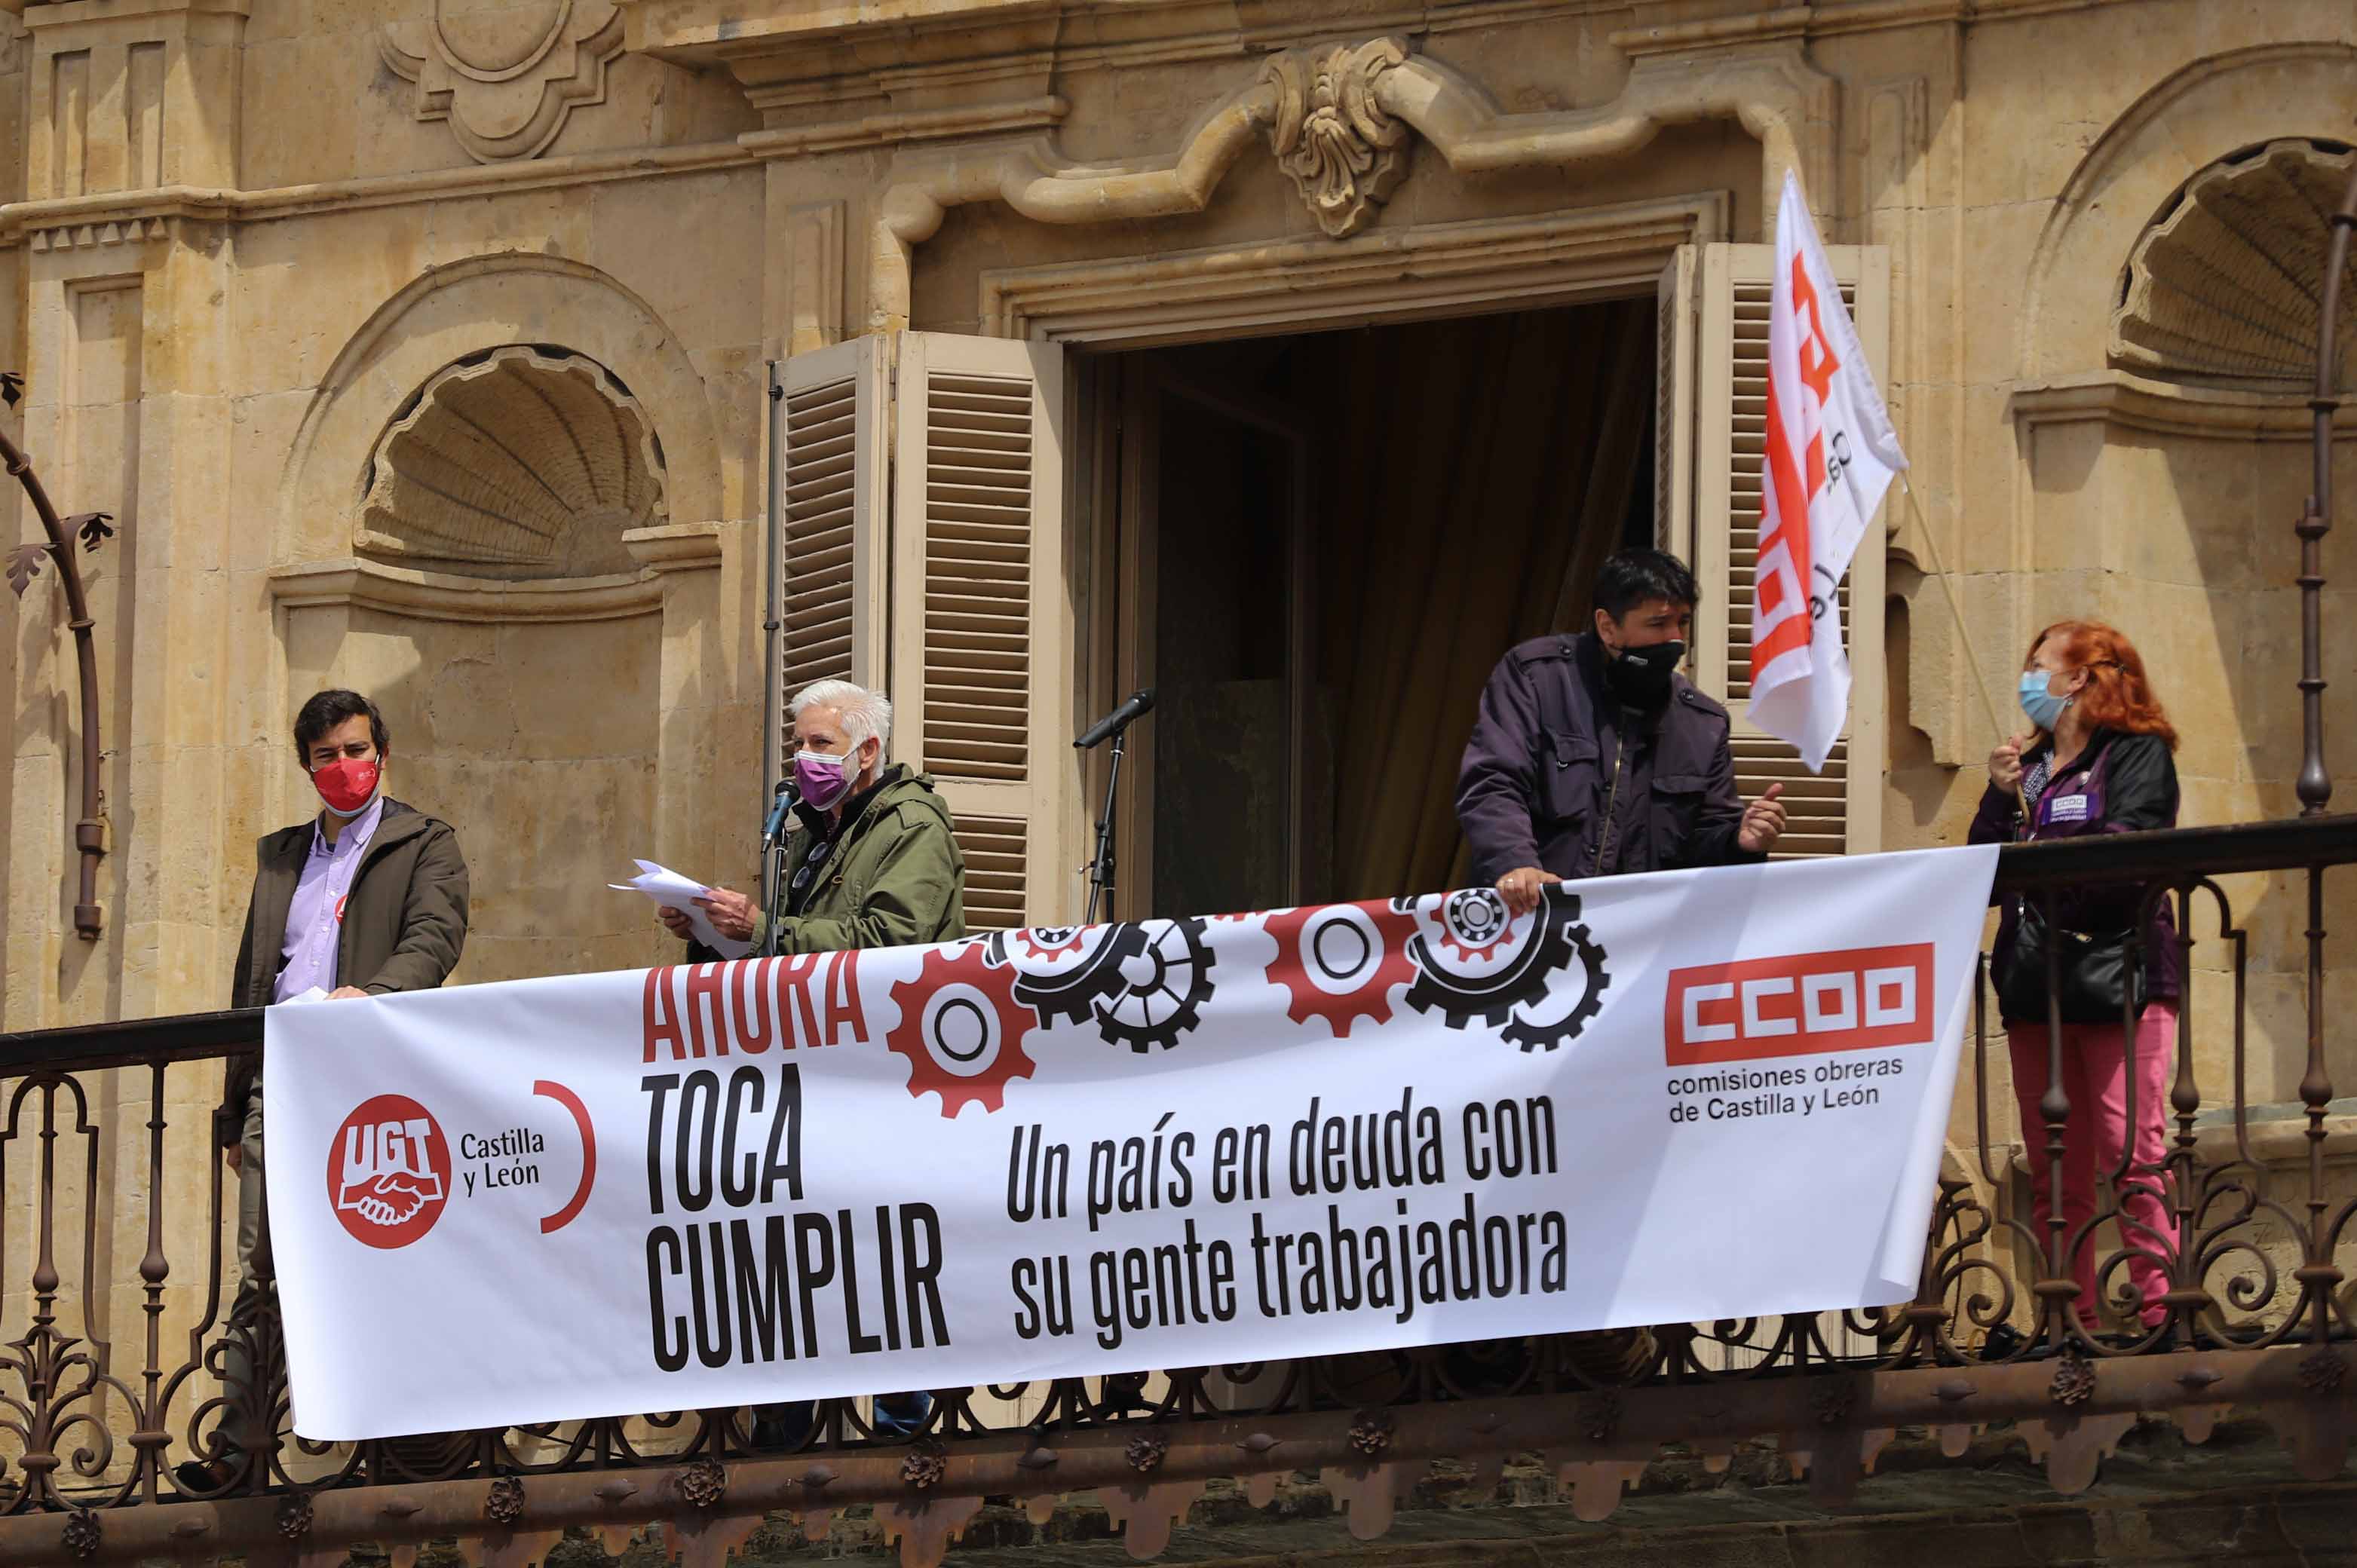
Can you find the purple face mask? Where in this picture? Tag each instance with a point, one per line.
(819, 778)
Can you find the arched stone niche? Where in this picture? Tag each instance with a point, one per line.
(452, 312)
(2225, 285)
(496, 521)
(522, 461)
(2135, 172)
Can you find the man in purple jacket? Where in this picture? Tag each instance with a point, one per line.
(1593, 756)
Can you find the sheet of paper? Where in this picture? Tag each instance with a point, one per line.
(673, 891)
(308, 994)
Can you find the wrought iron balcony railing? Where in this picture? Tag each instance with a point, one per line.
(144, 1408)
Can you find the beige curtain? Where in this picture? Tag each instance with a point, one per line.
(1500, 460)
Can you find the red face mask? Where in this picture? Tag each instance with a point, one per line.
(346, 784)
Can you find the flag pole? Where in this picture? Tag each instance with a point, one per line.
(1963, 628)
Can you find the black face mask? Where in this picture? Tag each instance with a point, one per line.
(1641, 676)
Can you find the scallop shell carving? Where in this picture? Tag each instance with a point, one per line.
(522, 461)
(2226, 285)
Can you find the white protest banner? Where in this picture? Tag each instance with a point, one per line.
(1660, 1099)
(1831, 453)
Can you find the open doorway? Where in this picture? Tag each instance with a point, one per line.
(1323, 543)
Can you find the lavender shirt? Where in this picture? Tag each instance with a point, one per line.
(315, 920)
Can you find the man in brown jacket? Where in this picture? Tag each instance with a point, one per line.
(397, 918)
(368, 897)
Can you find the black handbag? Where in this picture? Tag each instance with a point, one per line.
(2100, 979)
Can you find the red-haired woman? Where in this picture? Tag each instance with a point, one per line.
(2099, 762)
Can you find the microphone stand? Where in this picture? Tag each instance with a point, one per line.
(773, 873)
(1114, 727)
(1100, 869)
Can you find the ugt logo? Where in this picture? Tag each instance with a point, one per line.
(389, 1172)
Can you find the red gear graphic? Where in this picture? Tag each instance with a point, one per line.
(1370, 998)
(1034, 948)
(1465, 947)
(968, 966)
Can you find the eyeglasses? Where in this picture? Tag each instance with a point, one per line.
(807, 870)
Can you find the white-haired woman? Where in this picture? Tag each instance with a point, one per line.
(870, 862)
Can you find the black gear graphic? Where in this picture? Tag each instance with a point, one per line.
(1532, 1035)
(1494, 999)
(1073, 993)
(1135, 1019)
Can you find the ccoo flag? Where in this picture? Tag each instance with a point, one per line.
(1831, 453)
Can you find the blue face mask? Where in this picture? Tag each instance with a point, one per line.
(2042, 706)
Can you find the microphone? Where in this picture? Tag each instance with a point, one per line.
(1120, 719)
(787, 800)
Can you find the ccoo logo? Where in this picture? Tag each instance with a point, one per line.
(389, 1172)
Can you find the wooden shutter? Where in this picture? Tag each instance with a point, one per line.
(980, 640)
(829, 425)
(1675, 329)
(1841, 810)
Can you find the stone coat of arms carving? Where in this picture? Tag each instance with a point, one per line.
(505, 76)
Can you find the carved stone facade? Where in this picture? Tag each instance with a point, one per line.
(505, 77)
(1343, 151)
(2227, 285)
(418, 346)
(517, 463)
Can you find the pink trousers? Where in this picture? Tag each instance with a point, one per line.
(2095, 1069)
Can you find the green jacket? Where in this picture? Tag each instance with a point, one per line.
(897, 877)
